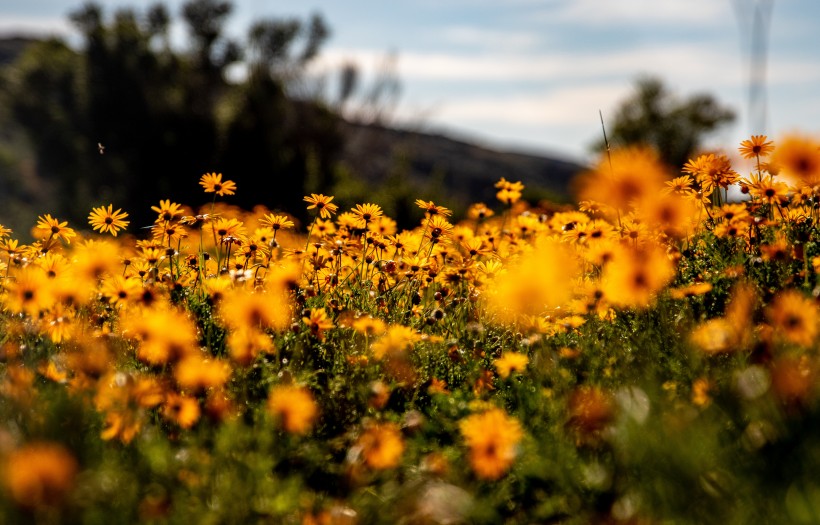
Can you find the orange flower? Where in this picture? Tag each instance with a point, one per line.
(382, 446)
(167, 210)
(294, 407)
(430, 208)
(712, 171)
(200, 373)
(493, 438)
(366, 213)
(182, 410)
(40, 474)
(322, 204)
(276, 222)
(511, 361)
(213, 183)
(794, 317)
(634, 276)
(107, 220)
(799, 156)
(55, 228)
(632, 175)
(755, 147)
(318, 322)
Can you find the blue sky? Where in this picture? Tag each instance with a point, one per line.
(533, 74)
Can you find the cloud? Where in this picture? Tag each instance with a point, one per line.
(681, 61)
(483, 38)
(35, 26)
(555, 107)
(637, 12)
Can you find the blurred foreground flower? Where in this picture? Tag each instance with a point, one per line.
(40, 474)
(541, 280)
(294, 407)
(493, 438)
(381, 446)
(634, 276)
(794, 317)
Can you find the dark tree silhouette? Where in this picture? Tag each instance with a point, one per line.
(655, 117)
(165, 116)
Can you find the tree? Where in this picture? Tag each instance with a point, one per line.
(674, 128)
(167, 115)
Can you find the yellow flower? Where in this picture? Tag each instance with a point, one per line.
(107, 220)
(369, 325)
(213, 183)
(182, 410)
(634, 276)
(631, 175)
(366, 213)
(540, 280)
(700, 392)
(493, 438)
(30, 292)
(55, 228)
(167, 210)
(294, 407)
(121, 290)
(40, 474)
(511, 361)
(382, 446)
(508, 192)
(438, 228)
(430, 208)
(322, 204)
(276, 222)
(479, 212)
(197, 372)
(318, 322)
(228, 228)
(398, 338)
(715, 336)
(246, 343)
(794, 317)
(757, 146)
(240, 308)
(770, 191)
(799, 157)
(157, 344)
(712, 170)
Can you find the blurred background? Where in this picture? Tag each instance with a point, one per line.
(130, 102)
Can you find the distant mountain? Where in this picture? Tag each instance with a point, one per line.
(466, 170)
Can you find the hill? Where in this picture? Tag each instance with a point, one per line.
(467, 170)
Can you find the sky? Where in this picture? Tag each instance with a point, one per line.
(532, 75)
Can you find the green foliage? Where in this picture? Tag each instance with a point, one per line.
(654, 117)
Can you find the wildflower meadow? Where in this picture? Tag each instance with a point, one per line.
(647, 356)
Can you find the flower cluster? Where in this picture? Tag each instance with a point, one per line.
(528, 363)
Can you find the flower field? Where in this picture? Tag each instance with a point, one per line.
(650, 356)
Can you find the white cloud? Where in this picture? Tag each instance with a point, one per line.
(36, 26)
(681, 61)
(556, 107)
(483, 38)
(637, 12)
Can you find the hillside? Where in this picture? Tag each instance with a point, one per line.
(467, 170)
